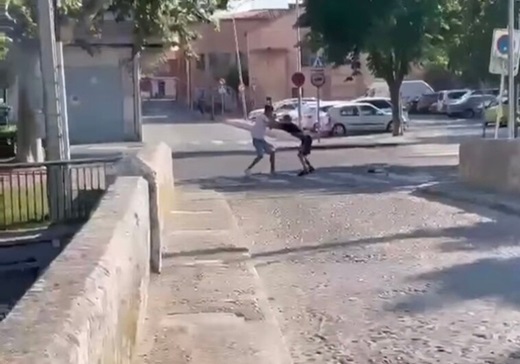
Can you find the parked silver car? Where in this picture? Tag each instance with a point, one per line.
(468, 106)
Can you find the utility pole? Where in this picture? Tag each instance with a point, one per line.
(242, 89)
(57, 177)
(54, 132)
(61, 82)
(299, 61)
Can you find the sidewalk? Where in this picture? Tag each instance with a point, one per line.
(507, 203)
(208, 305)
(285, 142)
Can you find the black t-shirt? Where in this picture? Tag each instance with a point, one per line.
(292, 129)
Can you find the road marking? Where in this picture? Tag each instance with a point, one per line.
(200, 212)
(218, 142)
(155, 116)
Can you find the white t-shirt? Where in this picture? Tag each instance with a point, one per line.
(259, 127)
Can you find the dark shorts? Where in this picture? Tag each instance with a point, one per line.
(306, 145)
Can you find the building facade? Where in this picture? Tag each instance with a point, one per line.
(267, 47)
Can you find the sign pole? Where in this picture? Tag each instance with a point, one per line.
(500, 105)
(511, 69)
(222, 100)
(318, 128)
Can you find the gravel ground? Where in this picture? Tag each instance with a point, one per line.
(386, 277)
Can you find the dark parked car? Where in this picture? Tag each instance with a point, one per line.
(425, 101)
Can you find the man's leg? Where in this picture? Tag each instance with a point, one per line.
(269, 149)
(259, 148)
(307, 147)
(305, 169)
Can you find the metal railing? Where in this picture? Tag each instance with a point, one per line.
(33, 194)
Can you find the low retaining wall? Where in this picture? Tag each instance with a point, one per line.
(154, 164)
(491, 164)
(89, 305)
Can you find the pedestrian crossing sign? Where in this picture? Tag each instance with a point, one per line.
(318, 63)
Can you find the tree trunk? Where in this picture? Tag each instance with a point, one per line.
(26, 61)
(395, 98)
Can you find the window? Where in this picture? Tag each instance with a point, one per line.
(367, 110)
(456, 95)
(381, 104)
(219, 63)
(325, 108)
(243, 60)
(349, 111)
(286, 107)
(306, 55)
(201, 62)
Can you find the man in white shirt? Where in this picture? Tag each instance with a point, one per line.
(258, 132)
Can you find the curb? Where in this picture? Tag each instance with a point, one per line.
(331, 146)
(262, 297)
(342, 146)
(476, 198)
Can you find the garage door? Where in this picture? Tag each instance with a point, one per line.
(95, 104)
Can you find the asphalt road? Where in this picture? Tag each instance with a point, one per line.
(358, 267)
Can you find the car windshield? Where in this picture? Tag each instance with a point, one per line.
(457, 95)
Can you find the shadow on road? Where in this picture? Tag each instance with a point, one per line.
(359, 179)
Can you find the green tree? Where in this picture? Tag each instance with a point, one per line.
(166, 20)
(468, 49)
(393, 33)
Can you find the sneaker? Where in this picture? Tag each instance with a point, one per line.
(311, 169)
(303, 173)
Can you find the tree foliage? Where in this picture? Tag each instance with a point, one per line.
(468, 47)
(167, 20)
(393, 33)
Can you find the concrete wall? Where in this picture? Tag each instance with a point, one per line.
(491, 164)
(86, 308)
(101, 95)
(154, 164)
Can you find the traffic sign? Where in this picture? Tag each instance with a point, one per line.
(222, 82)
(318, 63)
(318, 79)
(241, 87)
(298, 79)
(222, 90)
(498, 60)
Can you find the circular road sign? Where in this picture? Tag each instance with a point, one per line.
(241, 87)
(317, 79)
(503, 44)
(222, 81)
(298, 79)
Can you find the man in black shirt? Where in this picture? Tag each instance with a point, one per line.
(288, 126)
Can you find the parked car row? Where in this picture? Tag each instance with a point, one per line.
(464, 103)
(337, 118)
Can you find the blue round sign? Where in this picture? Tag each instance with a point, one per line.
(503, 44)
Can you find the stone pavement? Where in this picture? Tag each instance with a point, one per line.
(208, 306)
(371, 274)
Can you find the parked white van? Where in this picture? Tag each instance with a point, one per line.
(410, 89)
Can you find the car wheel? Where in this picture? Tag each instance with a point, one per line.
(390, 126)
(468, 114)
(338, 130)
